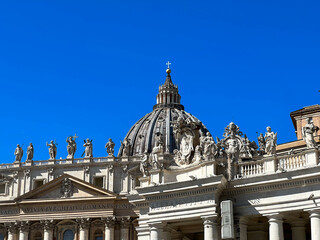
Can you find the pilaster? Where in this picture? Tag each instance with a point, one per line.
(210, 225)
(84, 225)
(109, 227)
(124, 228)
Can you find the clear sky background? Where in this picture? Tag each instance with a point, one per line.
(94, 67)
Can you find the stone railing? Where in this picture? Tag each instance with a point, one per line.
(289, 162)
(278, 163)
(252, 168)
(59, 162)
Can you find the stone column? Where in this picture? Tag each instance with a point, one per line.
(210, 228)
(84, 224)
(48, 226)
(124, 228)
(315, 225)
(275, 227)
(12, 231)
(298, 229)
(109, 227)
(156, 231)
(23, 231)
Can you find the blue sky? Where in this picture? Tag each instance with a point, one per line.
(94, 67)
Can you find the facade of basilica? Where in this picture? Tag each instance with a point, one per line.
(171, 180)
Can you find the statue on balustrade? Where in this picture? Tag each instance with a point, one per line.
(30, 152)
(271, 141)
(308, 133)
(88, 148)
(145, 165)
(52, 149)
(18, 153)
(126, 147)
(72, 146)
(110, 147)
(209, 148)
(157, 149)
(262, 144)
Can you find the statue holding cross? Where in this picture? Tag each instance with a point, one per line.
(72, 146)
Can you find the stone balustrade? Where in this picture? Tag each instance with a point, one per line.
(279, 163)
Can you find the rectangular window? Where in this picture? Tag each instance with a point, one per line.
(2, 188)
(38, 183)
(98, 181)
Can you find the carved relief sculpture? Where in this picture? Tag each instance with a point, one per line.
(52, 150)
(307, 133)
(271, 141)
(66, 188)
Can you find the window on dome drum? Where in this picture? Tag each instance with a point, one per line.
(2, 190)
(1, 236)
(37, 183)
(68, 235)
(98, 235)
(98, 181)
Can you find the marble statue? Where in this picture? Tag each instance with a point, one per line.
(18, 153)
(145, 165)
(110, 147)
(88, 148)
(157, 149)
(30, 152)
(126, 147)
(72, 146)
(307, 133)
(52, 150)
(262, 144)
(209, 147)
(245, 151)
(271, 141)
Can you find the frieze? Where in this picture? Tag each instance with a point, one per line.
(64, 208)
(181, 203)
(270, 187)
(182, 194)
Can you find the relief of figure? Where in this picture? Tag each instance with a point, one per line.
(271, 141)
(18, 153)
(307, 133)
(66, 188)
(52, 149)
(186, 147)
(88, 149)
(30, 152)
(262, 144)
(126, 147)
(110, 147)
(209, 147)
(144, 165)
(72, 146)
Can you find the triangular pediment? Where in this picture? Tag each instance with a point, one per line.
(67, 187)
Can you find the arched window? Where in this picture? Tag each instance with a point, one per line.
(1, 236)
(68, 235)
(37, 236)
(98, 235)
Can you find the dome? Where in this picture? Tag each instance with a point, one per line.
(143, 135)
